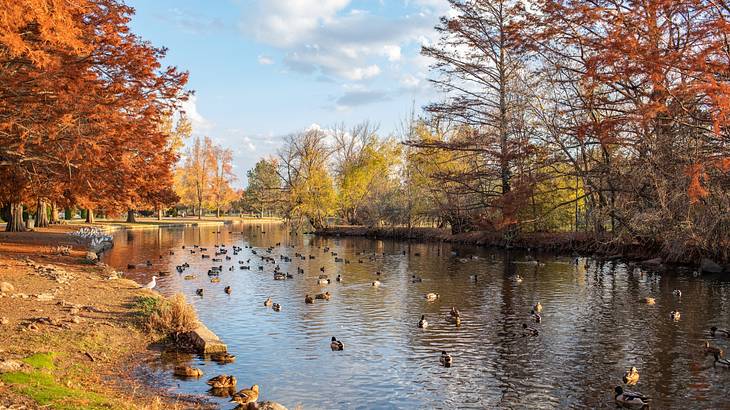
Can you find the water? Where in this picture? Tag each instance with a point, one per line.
(595, 324)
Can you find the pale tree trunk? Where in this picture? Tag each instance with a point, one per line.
(41, 215)
(217, 212)
(90, 216)
(130, 216)
(200, 211)
(15, 223)
(54, 213)
(159, 214)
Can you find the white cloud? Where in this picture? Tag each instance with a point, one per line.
(361, 73)
(409, 81)
(249, 144)
(392, 52)
(200, 124)
(264, 60)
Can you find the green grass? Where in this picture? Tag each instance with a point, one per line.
(41, 360)
(40, 385)
(147, 304)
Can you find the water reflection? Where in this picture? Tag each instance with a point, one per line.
(594, 324)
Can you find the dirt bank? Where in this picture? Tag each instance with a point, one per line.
(568, 242)
(72, 334)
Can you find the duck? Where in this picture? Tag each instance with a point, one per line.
(223, 357)
(246, 396)
(714, 331)
(721, 362)
(323, 281)
(375, 283)
(268, 302)
(215, 280)
(431, 296)
(649, 300)
(416, 279)
(455, 320)
(199, 292)
(630, 399)
(222, 382)
(423, 323)
(631, 377)
(536, 315)
(276, 307)
(446, 360)
(537, 308)
(339, 278)
(675, 315)
(336, 345)
(227, 289)
(279, 276)
(713, 350)
(529, 331)
(308, 299)
(518, 279)
(323, 296)
(187, 371)
(454, 312)
(677, 293)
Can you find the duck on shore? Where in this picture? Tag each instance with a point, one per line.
(222, 382)
(151, 284)
(246, 396)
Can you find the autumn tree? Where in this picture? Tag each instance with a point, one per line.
(264, 186)
(221, 191)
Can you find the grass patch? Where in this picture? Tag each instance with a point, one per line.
(147, 304)
(41, 360)
(40, 385)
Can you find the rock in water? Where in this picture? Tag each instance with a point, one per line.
(6, 287)
(709, 266)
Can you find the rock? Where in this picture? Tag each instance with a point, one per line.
(74, 311)
(76, 319)
(709, 266)
(7, 366)
(4, 321)
(6, 287)
(44, 297)
(91, 257)
(206, 341)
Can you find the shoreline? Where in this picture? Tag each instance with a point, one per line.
(605, 248)
(73, 335)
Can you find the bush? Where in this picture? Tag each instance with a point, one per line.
(172, 316)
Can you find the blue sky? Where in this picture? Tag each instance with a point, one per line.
(265, 68)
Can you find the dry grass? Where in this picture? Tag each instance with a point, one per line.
(173, 316)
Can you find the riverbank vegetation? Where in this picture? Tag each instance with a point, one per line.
(609, 119)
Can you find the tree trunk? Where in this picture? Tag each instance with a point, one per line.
(200, 211)
(131, 219)
(15, 222)
(54, 213)
(90, 216)
(218, 212)
(41, 215)
(159, 214)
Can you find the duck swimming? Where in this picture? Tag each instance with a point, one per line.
(223, 357)
(431, 296)
(423, 323)
(650, 301)
(714, 331)
(675, 315)
(199, 292)
(536, 315)
(336, 345)
(227, 289)
(187, 371)
(713, 350)
(276, 307)
(537, 308)
(629, 399)
(246, 396)
(375, 283)
(529, 331)
(308, 299)
(268, 302)
(323, 296)
(631, 377)
(446, 360)
(721, 362)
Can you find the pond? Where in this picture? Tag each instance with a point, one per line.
(595, 323)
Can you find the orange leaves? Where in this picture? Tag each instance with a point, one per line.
(696, 190)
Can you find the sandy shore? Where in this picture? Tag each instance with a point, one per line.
(72, 336)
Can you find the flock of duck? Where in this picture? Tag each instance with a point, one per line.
(226, 384)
